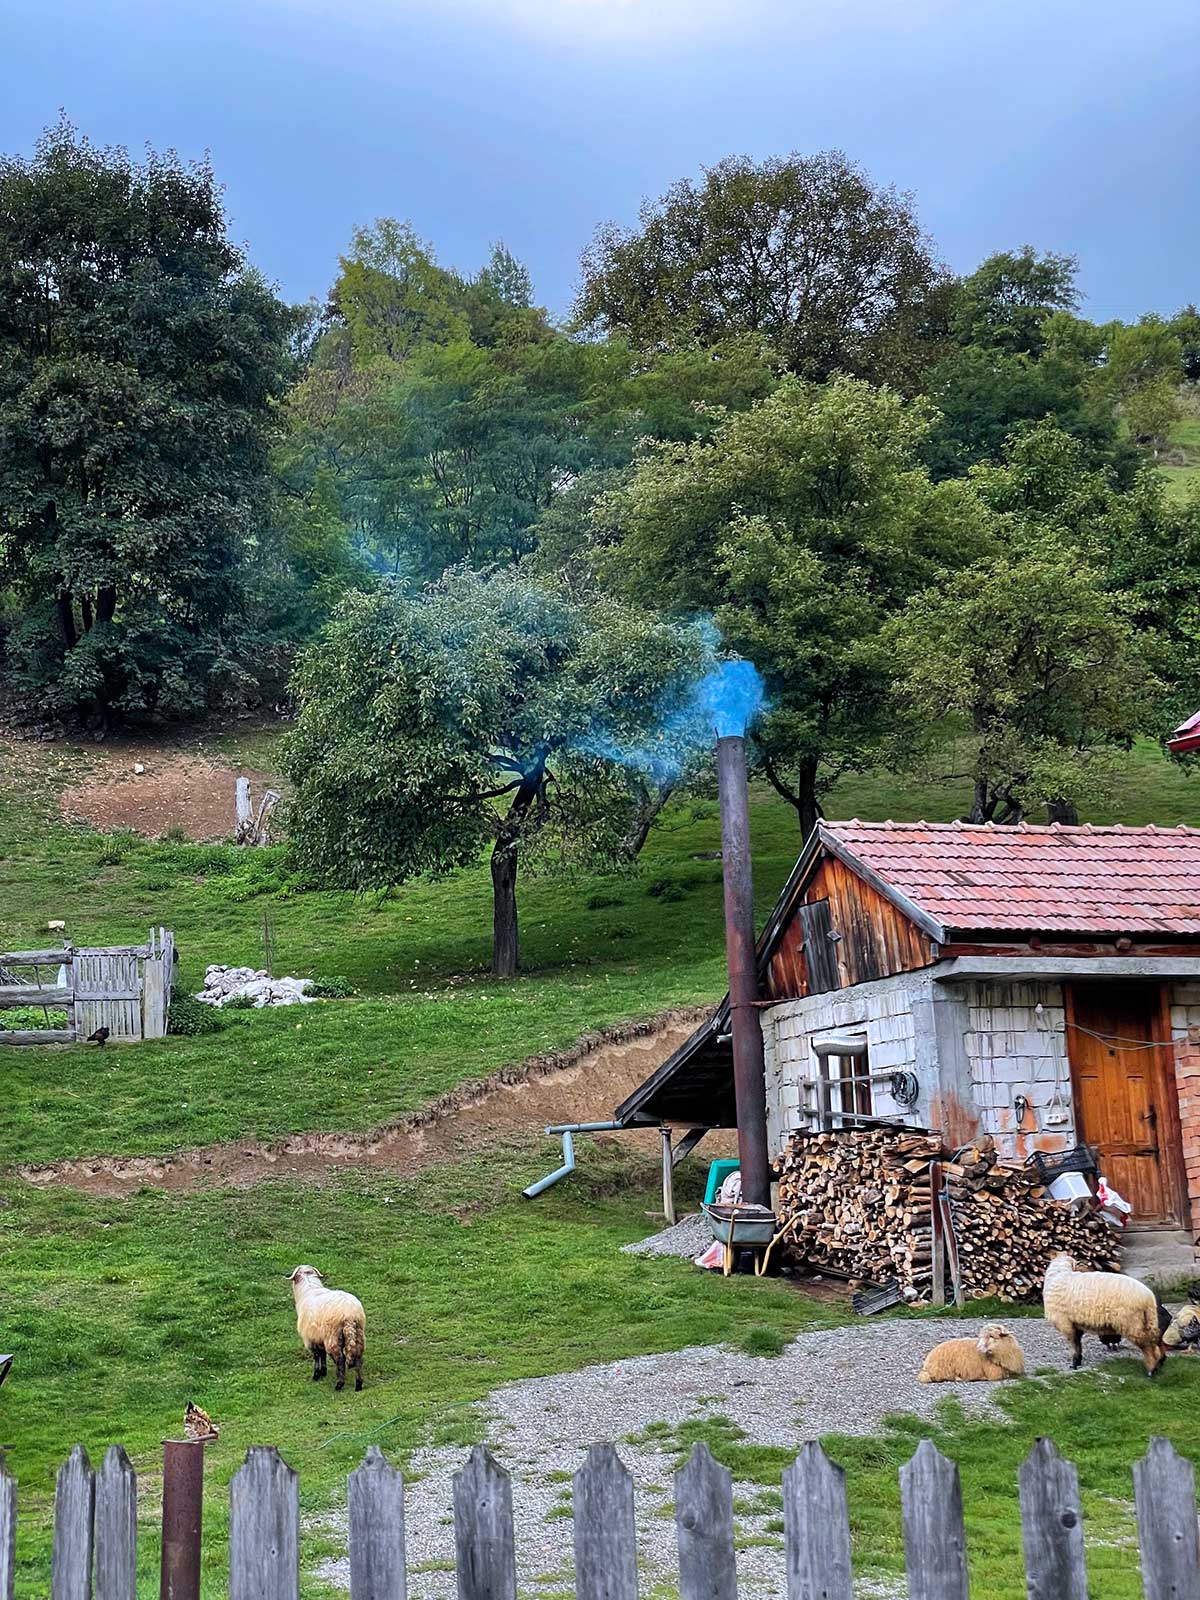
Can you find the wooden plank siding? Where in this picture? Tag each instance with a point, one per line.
(876, 939)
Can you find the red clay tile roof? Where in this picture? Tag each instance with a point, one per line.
(1049, 879)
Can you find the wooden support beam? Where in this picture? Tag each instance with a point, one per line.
(33, 994)
(36, 1036)
(668, 1177)
(687, 1144)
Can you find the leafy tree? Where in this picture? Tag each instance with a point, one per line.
(484, 708)
(805, 252)
(984, 396)
(139, 361)
(801, 524)
(1005, 303)
(1032, 653)
(1185, 325)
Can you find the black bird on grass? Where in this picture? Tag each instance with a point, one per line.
(100, 1035)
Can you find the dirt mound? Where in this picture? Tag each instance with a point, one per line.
(582, 1084)
(175, 790)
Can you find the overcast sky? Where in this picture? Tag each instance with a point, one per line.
(1067, 124)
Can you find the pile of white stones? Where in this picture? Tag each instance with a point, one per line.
(223, 984)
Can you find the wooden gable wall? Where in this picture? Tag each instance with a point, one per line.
(876, 940)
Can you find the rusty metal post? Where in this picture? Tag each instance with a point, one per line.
(183, 1499)
(749, 1072)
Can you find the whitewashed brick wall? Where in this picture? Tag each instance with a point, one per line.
(1012, 1050)
(884, 1010)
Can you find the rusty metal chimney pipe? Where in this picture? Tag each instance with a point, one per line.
(183, 1503)
(749, 1074)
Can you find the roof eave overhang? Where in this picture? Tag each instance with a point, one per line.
(837, 847)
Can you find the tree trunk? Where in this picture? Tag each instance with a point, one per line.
(506, 942)
(982, 805)
(803, 796)
(106, 603)
(1064, 811)
(85, 611)
(66, 619)
(650, 803)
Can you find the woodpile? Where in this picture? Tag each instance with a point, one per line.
(865, 1203)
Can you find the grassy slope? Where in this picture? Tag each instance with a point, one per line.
(121, 1310)
(1182, 480)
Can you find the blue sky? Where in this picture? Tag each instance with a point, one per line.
(1071, 126)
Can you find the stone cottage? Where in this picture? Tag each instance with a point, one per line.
(1041, 984)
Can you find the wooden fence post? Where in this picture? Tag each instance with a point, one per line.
(816, 1520)
(605, 1531)
(1052, 1526)
(264, 1528)
(1164, 1488)
(8, 1529)
(116, 1527)
(935, 1551)
(74, 1507)
(704, 1525)
(375, 1499)
(483, 1530)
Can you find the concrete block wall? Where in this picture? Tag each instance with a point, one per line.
(883, 1010)
(1013, 1049)
(1185, 1016)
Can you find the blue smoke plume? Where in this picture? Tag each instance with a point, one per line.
(732, 697)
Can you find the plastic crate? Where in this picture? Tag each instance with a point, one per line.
(1081, 1159)
(718, 1171)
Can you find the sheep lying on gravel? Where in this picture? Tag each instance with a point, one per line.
(331, 1323)
(1102, 1302)
(995, 1354)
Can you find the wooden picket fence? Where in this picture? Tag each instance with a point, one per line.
(124, 988)
(95, 1528)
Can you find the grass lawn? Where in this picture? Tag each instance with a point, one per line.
(123, 1311)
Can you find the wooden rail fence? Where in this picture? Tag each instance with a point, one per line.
(95, 1528)
(124, 988)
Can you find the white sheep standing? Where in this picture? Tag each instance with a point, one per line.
(1102, 1302)
(331, 1323)
(993, 1355)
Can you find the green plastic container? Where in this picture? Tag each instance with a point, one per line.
(718, 1171)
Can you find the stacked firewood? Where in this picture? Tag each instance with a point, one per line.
(864, 1208)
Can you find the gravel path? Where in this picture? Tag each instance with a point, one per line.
(839, 1380)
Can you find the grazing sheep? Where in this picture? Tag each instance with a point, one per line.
(1111, 1338)
(995, 1354)
(330, 1322)
(1108, 1303)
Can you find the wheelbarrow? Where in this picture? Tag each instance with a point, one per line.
(746, 1227)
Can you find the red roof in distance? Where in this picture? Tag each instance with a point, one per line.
(1075, 880)
(1186, 736)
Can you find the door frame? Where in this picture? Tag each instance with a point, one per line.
(1170, 1133)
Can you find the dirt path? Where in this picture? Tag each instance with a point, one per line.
(582, 1084)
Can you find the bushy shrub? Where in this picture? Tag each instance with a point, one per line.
(332, 988)
(116, 847)
(240, 1002)
(667, 889)
(19, 1017)
(188, 1016)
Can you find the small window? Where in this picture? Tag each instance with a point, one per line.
(841, 1083)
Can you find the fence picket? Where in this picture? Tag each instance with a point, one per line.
(935, 1551)
(483, 1530)
(8, 1529)
(704, 1525)
(74, 1506)
(116, 1527)
(605, 1532)
(1052, 1526)
(375, 1496)
(264, 1528)
(816, 1519)
(1164, 1489)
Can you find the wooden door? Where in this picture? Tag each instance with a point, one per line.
(1123, 1088)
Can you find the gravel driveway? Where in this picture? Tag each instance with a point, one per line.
(838, 1380)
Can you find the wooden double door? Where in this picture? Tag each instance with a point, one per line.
(1126, 1104)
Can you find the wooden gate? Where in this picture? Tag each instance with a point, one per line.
(124, 988)
(1125, 1102)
